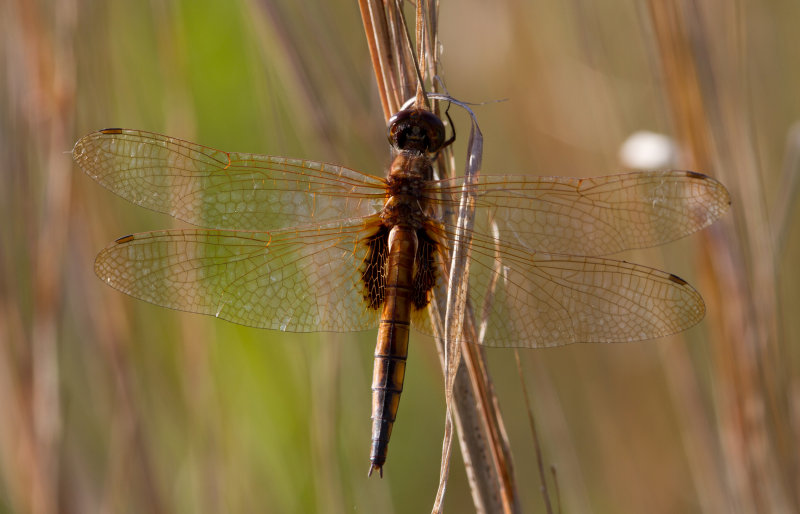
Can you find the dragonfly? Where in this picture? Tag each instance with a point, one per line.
(305, 246)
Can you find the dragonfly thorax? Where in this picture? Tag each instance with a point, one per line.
(405, 186)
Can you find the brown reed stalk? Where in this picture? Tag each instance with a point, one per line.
(534, 435)
(40, 72)
(482, 438)
(700, 51)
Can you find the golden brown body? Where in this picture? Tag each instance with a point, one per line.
(405, 287)
(392, 347)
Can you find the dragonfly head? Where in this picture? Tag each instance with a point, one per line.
(416, 129)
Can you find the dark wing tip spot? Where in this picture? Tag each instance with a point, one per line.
(678, 280)
(124, 239)
(111, 131)
(698, 176)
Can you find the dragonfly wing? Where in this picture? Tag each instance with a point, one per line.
(594, 216)
(533, 300)
(297, 280)
(224, 190)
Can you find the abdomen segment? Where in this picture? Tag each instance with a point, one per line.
(392, 348)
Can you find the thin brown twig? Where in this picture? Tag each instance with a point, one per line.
(377, 40)
(535, 436)
(712, 125)
(421, 99)
(457, 293)
(482, 438)
(555, 485)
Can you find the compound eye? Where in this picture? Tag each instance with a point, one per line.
(397, 124)
(435, 129)
(416, 129)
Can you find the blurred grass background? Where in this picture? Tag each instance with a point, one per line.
(109, 404)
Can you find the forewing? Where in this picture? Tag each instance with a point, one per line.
(224, 190)
(297, 280)
(592, 216)
(534, 300)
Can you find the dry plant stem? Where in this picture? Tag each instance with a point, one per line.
(459, 269)
(759, 450)
(485, 448)
(492, 482)
(406, 76)
(790, 186)
(502, 472)
(555, 485)
(431, 40)
(539, 463)
(458, 284)
(698, 437)
(378, 41)
(421, 99)
(45, 72)
(481, 434)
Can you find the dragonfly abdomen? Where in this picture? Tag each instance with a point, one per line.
(392, 348)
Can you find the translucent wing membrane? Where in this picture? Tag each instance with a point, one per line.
(224, 190)
(535, 281)
(297, 280)
(593, 216)
(532, 300)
